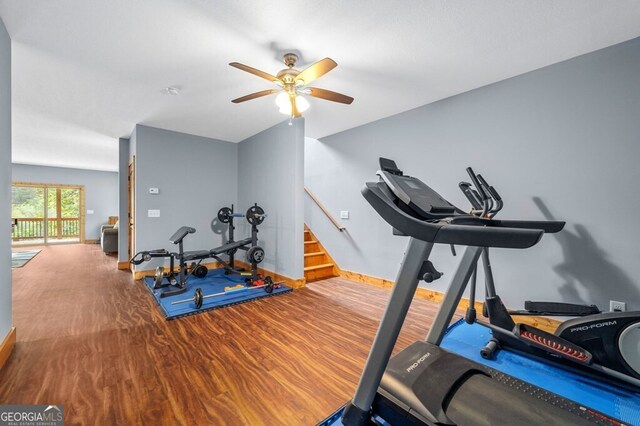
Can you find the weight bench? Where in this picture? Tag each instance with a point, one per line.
(169, 278)
(232, 246)
(229, 249)
(179, 235)
(214, 253)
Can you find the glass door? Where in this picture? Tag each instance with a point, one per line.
(28, 215)
(46, 214)
(68, 212)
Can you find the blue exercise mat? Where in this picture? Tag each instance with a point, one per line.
(599, 394)
(214, 282)
(467, 340)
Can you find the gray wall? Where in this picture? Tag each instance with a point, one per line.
(562, 142)
(101, 190)
(123, 199)
(196, 176)
(270, 173)
(5, 182)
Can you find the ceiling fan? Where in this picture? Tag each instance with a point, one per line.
(293, 84)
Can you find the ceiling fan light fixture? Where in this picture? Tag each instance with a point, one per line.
(282, 100)
(302, 103)
(285, 110)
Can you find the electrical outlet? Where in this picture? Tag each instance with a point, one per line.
(344, 214)
(153, 213)
(617, 306)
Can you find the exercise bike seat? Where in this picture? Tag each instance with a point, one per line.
(182, 232)
(195, 255)
(229, 246)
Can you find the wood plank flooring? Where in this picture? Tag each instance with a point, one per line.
(91, 338)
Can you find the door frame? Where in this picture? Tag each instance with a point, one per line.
(131, 207)
(60, 186)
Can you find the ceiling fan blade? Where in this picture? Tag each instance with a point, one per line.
(316, 70)
(254, 71)
(294, 108)
(329, 95)
(255, 95)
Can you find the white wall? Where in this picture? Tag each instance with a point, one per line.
(270, 173)
(196, 176)
(5, 182)
(562, 142)
(101, 190)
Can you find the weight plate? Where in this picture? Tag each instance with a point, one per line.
(197, 298)
(224, 215)
(269, 285)
(255, 255)
(158, 277)
(255, 215)
(200, 271)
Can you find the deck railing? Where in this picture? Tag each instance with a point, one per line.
(33, 228)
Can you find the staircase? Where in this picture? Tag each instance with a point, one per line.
(318, 265)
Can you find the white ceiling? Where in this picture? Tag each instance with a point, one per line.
(86, 71)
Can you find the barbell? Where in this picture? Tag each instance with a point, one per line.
(198, 297)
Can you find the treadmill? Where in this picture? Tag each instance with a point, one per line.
(426, 384)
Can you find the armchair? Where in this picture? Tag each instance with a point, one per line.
(109, 238)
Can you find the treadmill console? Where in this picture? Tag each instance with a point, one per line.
(415, 194)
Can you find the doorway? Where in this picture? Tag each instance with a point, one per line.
(46, 214)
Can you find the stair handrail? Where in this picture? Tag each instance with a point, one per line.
(341, 228)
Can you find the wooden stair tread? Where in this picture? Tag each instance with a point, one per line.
(310, 242)
(318, 253)
(315, 267)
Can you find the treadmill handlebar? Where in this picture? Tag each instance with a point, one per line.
(477, 184)
(462, 229)
(471, 194)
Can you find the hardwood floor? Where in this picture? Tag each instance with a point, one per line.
(91, 338)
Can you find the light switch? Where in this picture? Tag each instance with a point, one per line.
(153, 213)
(154, 191)
(344, 214)
(89, 211)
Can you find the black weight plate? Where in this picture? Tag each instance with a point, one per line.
(255, 215)
(269, 286)
(255, 255)
(224, 215)
(197, 298)
(200, 271)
